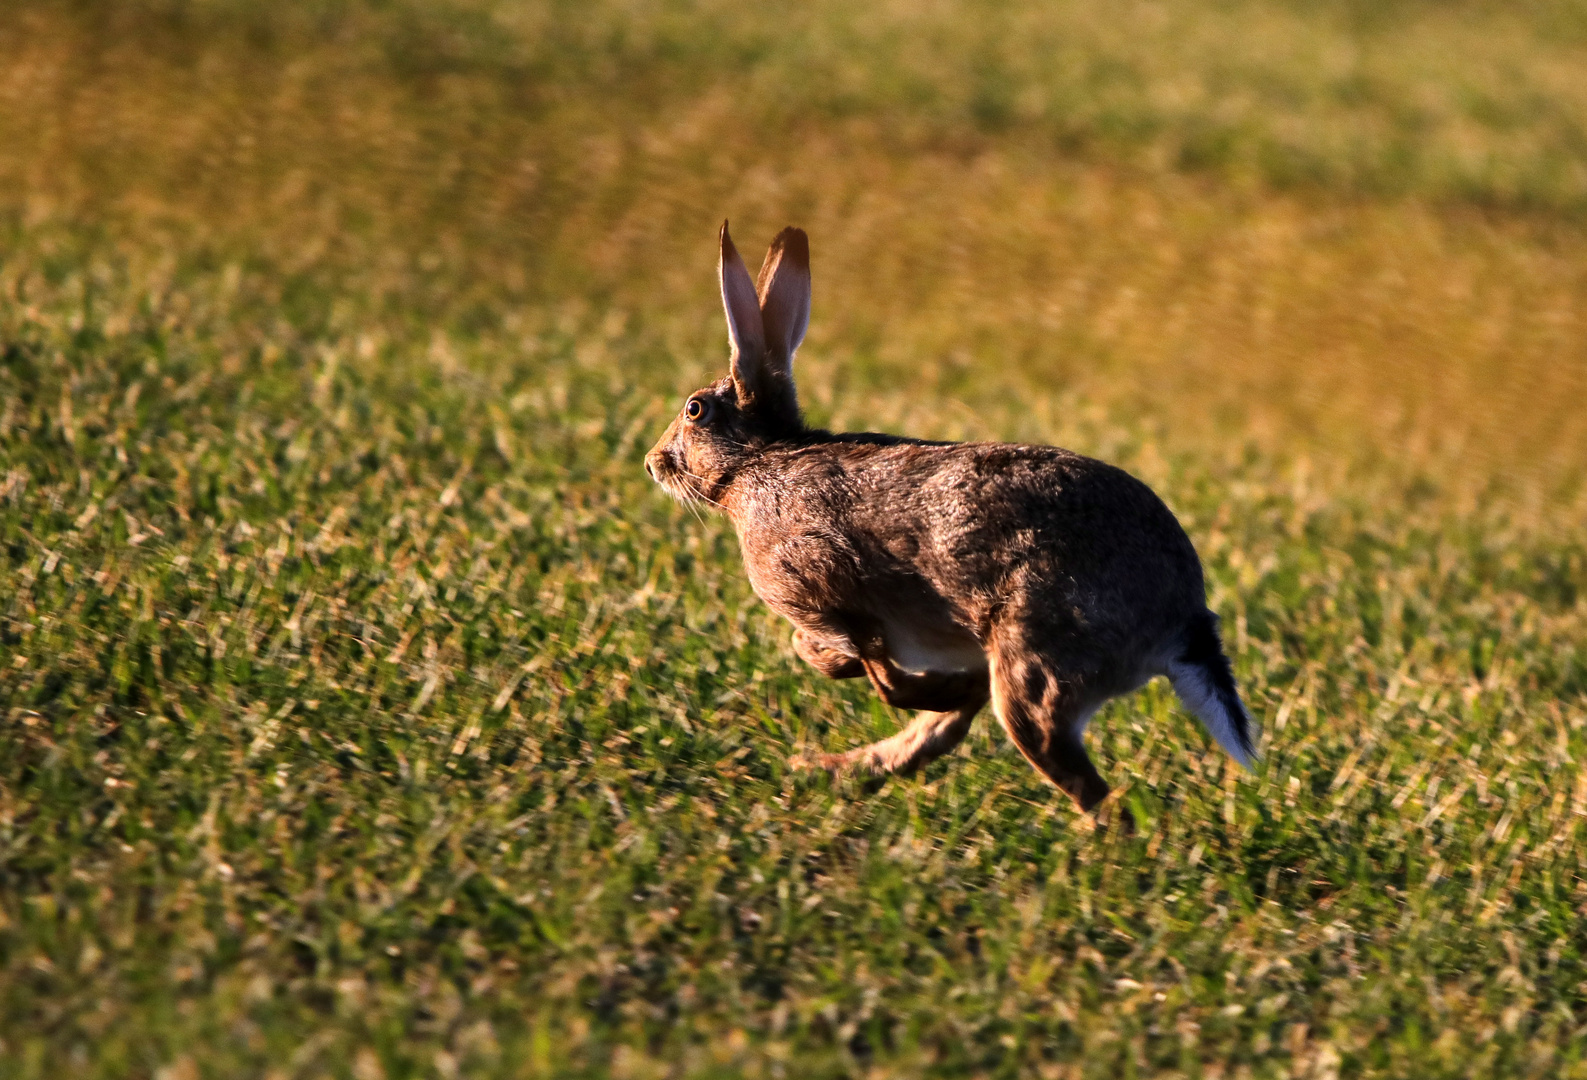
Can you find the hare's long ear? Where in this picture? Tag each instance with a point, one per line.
(784, 291)
(744, 328)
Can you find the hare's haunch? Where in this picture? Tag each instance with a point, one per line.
(949, 574)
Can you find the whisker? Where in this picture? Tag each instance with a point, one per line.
(702, 496)
(696, 497)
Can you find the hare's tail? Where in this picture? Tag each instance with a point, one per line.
(1205, 683)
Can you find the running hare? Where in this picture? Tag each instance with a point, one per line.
(946, 573)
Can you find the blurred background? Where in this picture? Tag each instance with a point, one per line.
(365, 711)
(1345, 232)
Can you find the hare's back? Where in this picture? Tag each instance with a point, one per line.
(996, 515)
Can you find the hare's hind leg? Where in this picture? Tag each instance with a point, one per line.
(1046, 716)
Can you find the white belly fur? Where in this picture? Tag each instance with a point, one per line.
(920, 649)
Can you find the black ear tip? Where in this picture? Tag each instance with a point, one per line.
(793, 243)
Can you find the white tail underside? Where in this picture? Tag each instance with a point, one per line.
(1195, 689)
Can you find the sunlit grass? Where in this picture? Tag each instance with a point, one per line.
(368, 713)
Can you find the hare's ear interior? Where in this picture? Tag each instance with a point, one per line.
(784, 292)
(742, 307)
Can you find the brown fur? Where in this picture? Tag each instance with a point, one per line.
(947, 574)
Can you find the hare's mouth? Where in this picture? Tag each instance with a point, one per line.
(679, 489)
(674, 480)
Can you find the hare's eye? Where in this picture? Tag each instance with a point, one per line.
(697, 409)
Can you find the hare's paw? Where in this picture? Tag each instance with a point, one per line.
(832, 664)
(832, 763)
(854, 771)
(1111, 815)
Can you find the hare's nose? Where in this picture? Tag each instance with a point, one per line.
(650, 470)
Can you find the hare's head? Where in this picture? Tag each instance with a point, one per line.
(755, 404)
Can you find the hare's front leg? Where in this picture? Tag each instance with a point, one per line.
(923, 690)
(831, 663)
(928, 736)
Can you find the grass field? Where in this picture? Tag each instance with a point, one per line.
(366, 712)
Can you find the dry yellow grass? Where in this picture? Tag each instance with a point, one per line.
(1434, 337)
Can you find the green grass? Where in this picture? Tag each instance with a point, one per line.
(366, 712)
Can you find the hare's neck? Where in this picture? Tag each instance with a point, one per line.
(757, 493)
